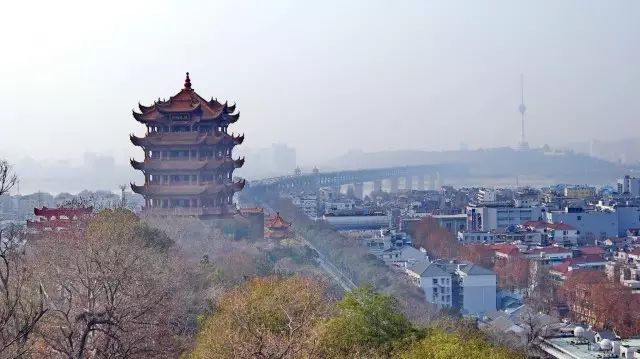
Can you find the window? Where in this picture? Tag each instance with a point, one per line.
(579, 218)
(435, 281)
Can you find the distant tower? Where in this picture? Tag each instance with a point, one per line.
(522, 108)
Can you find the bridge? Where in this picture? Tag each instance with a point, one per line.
(409, 175)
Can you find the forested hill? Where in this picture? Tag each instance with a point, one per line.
(497, 162)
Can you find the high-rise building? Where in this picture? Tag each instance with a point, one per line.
(187, 167)
(629, 185)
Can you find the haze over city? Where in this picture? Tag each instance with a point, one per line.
(325, 78)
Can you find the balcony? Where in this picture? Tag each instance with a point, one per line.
(195, 211)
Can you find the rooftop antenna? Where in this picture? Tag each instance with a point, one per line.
(522, 108)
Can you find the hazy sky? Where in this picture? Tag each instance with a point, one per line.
(323, 77)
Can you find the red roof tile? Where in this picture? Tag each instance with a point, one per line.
(505, 248)
(591, 250)
(277, 222)
(561, 226)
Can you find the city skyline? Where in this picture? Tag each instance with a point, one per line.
(82, 85)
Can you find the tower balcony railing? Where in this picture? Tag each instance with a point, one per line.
(194, 211)
(218, 181)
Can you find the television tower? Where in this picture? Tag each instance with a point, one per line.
(522, 108)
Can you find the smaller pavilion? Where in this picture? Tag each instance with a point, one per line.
(278, 228)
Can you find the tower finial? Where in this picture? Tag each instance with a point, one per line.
(187, 82)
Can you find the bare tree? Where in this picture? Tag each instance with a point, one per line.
(8, 178)
(22, 301)
(534, 323)
(110, 294)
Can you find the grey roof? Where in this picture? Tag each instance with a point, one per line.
(493, 314)
(426, 269)
(607, 334)
(474, 269)
(501, 323)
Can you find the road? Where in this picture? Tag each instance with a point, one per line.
(334, 272)
(345, 282)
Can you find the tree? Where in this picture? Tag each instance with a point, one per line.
(368, 324)
(589, 293)
(435, 239)
(535, 325)
(22, 300)
(439, 344)
(512, 273)
(110, 291)
(477, 253)
(543, 292)
(267, 317)
(8, 178)
(577, 290)
(355, 261)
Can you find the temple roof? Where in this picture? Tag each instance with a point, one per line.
(184, 138)
(188, 190)
(181, 165)
(186, 101)
(277, 222)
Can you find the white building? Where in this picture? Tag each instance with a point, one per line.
(476, 237)
(405, 256)
(629, 185)
(488, 218)
(342, 223)
(486, 195)
(560, 233)
(465, 286)
(477, 289)
(434, 281)
(308, 203)
(339, 205)
(549, 255)
(591, 225)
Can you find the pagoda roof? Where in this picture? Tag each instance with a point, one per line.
(184, 138)
(181, 165)
(188, 190)
(277, 222)
(63, 211)
(186, 101)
